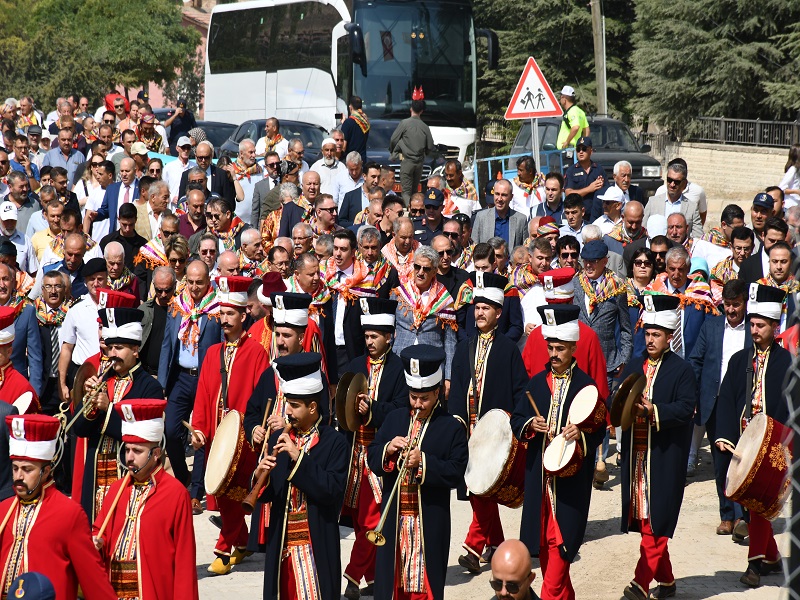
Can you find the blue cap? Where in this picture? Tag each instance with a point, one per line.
(32, 586)
(423, 366)
(434, 197)
(584, 141)
(594, 250)
(764, 200)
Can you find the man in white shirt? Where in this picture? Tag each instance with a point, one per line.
(613, 199)
(526, 196)
(247, 173)
(273, 140)
(104, 174)
(328, 167)
(26, 257)
(350, 178)
(173, 170)
(693, 191)
(157, 201)
(296, 153)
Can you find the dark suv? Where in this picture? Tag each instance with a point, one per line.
(612, 142)
(311, 135)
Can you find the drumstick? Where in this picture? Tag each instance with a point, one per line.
(8, 514)
(533, 404)
(114, 504)
(188, 426)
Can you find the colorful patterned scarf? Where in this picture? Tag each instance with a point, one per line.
(183, 305)
(531, 188)
(317, 229)
(523, 278)
(634, 296)
(320, 296)
(124, 280)
(621, 235)
(403, 270)
(361, 120)
(228, 238)
(356, 285)
(698, 293)
(724, 271)
(251, 267)
(380, 272)
(466, 257)
(240, 171)
(152, 254)
(439, 304)
(271, 143)
(790, 286)
(716, 237)
(45, 317)
(465, 190)
(154, 143)
(609, 287)
(57, 245)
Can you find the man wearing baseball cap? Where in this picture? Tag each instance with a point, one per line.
(175, 169)
(180, 121)
(46, 532)
(573, 123)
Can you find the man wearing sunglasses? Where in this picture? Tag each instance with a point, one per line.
(675, 201)
(217, 181)
(448, 275)
(586, 178)
(512, 572)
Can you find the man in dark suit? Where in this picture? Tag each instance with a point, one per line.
(26, 349)
(448, 275)
(50, 313)
(757, 266)
(357, 200)
(720, 338)
(219, 184)
(187, 337)
(122, 192)
(500, 220)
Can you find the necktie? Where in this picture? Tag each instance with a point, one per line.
(677, 338)
(127, 197)
(54, 349)
(594, 286)
(274, 182)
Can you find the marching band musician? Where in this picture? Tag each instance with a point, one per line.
(306, 469)
(45, 532)
(148, 548)
(752, 385)
(656, 448)
(12, 383)
(430, 447)
(122, 335)
(487, 374)
(291, 321)
(387, 391)
(263, 329)
(242, 360)
(556, 509)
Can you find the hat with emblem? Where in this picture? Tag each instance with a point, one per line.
(558, 285)
(290, 309)
(32, 437)
(660, 311)
(32, 586)
(584, 140)
(488, 287)
(121, 325)
(108, 298)
(377, 314)
(560, 322)
(424, 367)
(764, 200)
(232, 290)
(142, 420)
(271, 283)
(299, 374)
(434, 197)
(7, 316)
(765, 301)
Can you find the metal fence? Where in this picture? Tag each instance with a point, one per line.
(749, 132)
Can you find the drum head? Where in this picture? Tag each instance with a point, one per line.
(558, 454)
(357, 386)
(222, 452)
(23, 403)
(620, 396)
(583, 405)
(341, 400)
(748, 448)
(489, 449)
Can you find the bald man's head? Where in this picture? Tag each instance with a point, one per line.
(228, 264)
(511, 564)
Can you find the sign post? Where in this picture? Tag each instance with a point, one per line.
(533, 99)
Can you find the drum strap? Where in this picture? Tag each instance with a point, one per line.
(473, 398)
(223, 372)
(748, 413)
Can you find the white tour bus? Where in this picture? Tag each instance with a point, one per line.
(302, 60)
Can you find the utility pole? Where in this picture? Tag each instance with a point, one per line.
(599, 35)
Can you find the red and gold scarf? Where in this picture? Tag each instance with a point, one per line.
(361, 120)
(241, 171)
(228, 238)
(439, 304)
(183, 305)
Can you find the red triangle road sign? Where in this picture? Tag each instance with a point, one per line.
(533, 97)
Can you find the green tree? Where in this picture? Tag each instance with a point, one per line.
(189, 84)
(783, 87)
(707, 57)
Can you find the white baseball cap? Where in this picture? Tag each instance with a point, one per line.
(612, 194)
(8, 212)
(568, 90)
(183, 141)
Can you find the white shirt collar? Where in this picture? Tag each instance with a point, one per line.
(739, 327)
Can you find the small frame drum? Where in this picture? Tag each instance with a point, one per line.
(562, 458)
(758, 476)
(496, 467)
(26, 404)
(587, 410)
(231, 460)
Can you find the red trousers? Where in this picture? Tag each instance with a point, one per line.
(365, 517)
(234, 529)
(654, 560)
(556, 583)
(486, 528)
(762, 540)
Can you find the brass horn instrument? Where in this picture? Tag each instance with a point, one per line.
(87, 404)
(375, 536)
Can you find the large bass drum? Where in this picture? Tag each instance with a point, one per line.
(758, 476)
(231, 460)
(496, 467)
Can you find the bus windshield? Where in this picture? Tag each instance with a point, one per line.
(418, 43)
